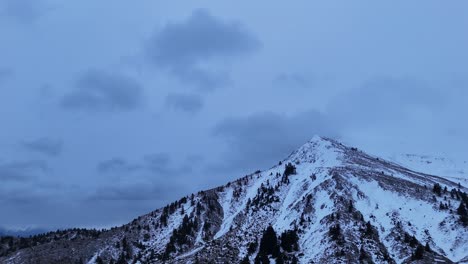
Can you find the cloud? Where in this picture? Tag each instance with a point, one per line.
(375, 112)
(23, 11)
(386, 100)
(154, 176)
(189, 103)
(260, 140)
(101, 91)
(45, 146)
(183, 47)
(116, 165)
(132, 192)
(22, 171)
(157, 163)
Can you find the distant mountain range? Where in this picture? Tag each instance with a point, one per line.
(325, 203)
(26, 232)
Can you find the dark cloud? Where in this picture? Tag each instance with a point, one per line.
(260, 140)
(182, 47)
(23, 11)
(385, 104)
(159, 162)
(46, 146)
(101, 91)
(385, 100)
(153, 177)
(116, 165)
(22, 171)
(190, 103)
(132, 192)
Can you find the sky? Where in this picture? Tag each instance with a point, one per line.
(111, 109)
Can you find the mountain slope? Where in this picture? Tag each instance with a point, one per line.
(329, 203)
(455, 170)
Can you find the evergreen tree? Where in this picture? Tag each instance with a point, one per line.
(289, 241)
(427, 247)
(269, 242)
(252, 247)
(335, 232)
(369, 230)
(462, 212)
(437, 189)
(413, 241)
(418, 253)
(268, 246)
(245, 260)
(363, 256)
(350, 206)
(99, 260)
(121, 259)
(262, 259)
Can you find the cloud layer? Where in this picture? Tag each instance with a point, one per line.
(190, 103)
(183, 48)
(101, 91)
(259, 140)
(45, 146)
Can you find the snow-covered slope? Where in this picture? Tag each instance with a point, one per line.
(456, 170)
(326, 203)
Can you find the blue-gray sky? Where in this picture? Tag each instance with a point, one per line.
(110, 109)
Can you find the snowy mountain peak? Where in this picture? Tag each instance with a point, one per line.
(325, 203)
(324, 151)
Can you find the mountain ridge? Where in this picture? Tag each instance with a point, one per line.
(339, 201)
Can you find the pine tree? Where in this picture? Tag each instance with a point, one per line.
(427, 247)
(289, 241)
(269, 242)
(363, 254)
(350, 206)
(462, 212)
(461, 209)
(437, 189)
(418, 253)
(245, 260)
(121, 259)
(99, 260)
(335, 232)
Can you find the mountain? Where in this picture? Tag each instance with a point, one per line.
(325, 203)
(24, 232)
(455, 170)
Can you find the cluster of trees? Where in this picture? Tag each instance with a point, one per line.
(171, 208)
(10, 244)
(335, 233)
(180, 236)
(437, 189)
(289, 169)
(420, 251)
(265, 195)
(462, 209)
(272, 246)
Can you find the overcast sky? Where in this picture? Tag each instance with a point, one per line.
(111, 109)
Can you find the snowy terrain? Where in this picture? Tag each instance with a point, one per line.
(454, 169)
(343, 205)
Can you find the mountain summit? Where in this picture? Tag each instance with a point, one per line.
(325, 203)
